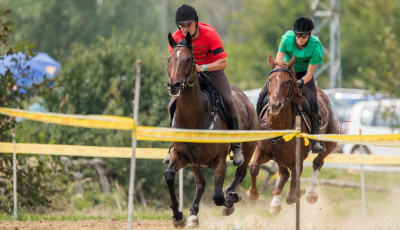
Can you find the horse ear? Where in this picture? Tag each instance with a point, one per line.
(290, 64)
(171, 40)
(188, 39)
(271, 61)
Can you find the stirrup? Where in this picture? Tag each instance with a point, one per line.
(316, 147)
(238, 157)
(231, 150)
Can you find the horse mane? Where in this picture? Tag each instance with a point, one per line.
(297, 95)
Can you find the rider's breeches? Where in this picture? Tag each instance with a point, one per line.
(310, 91)
(220, 82)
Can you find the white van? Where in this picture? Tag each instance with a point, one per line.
(373, 118)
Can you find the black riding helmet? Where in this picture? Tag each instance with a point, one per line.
(185, 14)
(303, 25)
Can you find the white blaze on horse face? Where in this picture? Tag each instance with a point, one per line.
(178, 53)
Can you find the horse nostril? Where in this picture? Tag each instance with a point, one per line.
(177, 85)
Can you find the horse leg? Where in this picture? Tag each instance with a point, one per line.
(175, 163)
(312, 194)
(219, 170)
(259, 159)
(193, 221)
(276, 206)
(240, 173)
(291, 197)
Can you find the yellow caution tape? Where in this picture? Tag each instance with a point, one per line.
(86, 121)
(83, 151)
(187, 135)
(160, 153)
(206, 136)
(357, 159)
(388, 140)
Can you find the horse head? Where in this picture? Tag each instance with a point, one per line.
(181, 65)
(282, 85)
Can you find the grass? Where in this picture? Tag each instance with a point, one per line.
(343, 201)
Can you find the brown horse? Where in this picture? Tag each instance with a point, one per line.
(285, 101)
(195, 110)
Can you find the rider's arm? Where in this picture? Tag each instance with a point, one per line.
(214, 66)
(309, 74)
(279, 56)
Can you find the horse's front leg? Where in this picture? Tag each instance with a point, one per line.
(193, 221)
(312, 194)
(276, 206)
(259, 158)
(219, 169)
(240, 173)
(175, 163)
(291, 197)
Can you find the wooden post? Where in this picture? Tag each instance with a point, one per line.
(15, 175)
(298, 162)
(362, 179)
(134, 142)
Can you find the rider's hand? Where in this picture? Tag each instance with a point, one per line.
(199, 68)
(300, 83)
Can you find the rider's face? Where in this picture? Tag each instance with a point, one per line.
(188, 27)
(301, 40)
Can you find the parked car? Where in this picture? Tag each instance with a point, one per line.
(374, 118)
(343, 99)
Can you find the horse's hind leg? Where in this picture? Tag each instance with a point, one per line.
(259, 158)
(178, 219)
(193, 221)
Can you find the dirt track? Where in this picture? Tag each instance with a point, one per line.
(248, 215)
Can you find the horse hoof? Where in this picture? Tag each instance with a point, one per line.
(312, 197)
(292, 199)
(227, 211)
(275, 209)
(235, 196)
(193, 222)
(252, 196)
(179, 223)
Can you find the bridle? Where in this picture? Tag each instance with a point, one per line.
(187, 81)
(289, 96)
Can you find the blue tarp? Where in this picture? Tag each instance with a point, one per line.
(38, 68)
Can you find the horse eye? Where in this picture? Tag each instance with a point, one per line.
(187, 59)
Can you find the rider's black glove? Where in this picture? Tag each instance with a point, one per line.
(300, 83)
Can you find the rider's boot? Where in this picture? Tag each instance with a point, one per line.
(315, 123)
(237, 150)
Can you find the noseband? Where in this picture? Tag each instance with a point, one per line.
(289, 96)
(185, 82)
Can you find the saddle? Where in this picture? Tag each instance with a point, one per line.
(218, 103)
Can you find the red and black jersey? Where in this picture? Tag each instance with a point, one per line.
(207, 48)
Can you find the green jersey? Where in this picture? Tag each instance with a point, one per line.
(311, 54)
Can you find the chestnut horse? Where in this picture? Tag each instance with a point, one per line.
(285, 102)
(195, 110)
